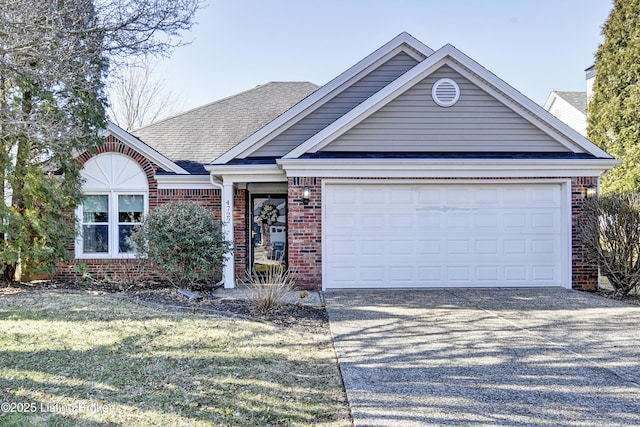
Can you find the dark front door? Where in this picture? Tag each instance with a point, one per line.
(268, 231)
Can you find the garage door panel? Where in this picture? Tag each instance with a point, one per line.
(371, 247)
(443, 235)
(458, 247)
(458, 220)
(543, 273)
(458, 273)
(429, 247)
(486, 247)
(402, 222)
(488, 273)
(371, 197)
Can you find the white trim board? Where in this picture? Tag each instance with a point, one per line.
(445, 168)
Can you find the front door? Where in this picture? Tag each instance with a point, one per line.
(268, 231)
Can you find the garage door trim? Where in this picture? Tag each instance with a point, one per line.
(565, 212)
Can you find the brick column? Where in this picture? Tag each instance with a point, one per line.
(305, 233)
(584, 272)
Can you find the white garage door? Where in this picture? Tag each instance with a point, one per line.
(451, 235)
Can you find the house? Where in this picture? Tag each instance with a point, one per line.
(570, 107)
(413, 168)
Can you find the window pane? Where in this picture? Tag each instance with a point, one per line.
(125, 245)
(95, 238)
(130, 208)
(95, 209)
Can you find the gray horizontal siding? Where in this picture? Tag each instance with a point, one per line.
(413, 122)
(338, 106)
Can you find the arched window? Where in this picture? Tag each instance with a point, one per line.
(116, 194)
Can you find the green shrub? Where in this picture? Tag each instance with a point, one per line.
(184, 240)
(610, 230)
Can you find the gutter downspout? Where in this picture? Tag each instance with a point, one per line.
(228, 268)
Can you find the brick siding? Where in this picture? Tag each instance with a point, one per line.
(584, 272)
(127, 268)
(305, 232)
(304, 226)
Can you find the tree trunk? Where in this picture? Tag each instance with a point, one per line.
(23, 155)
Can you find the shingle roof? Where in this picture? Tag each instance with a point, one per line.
(204, 133)
(577, 99)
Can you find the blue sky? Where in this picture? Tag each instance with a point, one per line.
(534, 45)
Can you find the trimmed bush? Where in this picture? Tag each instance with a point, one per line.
(610, 230)
(185, 241)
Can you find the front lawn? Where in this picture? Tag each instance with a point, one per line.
(81, 359)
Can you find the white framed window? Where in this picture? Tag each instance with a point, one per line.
(115, 201)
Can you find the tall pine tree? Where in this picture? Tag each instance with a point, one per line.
(614, 110)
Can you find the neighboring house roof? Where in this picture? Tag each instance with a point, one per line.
(200, 135)
(576, 99)
(570, 107)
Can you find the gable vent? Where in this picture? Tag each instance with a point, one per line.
(445, 92)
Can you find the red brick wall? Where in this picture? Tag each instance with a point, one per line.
(119, 268)
(305, 234)
(584, 273)
(205, 197)
(240, 233)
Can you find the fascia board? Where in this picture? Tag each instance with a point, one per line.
(445, 168)
(247, 173)
(550, 101)
(326, 92)
(144, 149)
(368, 107)
(542, 116)
(175, 182)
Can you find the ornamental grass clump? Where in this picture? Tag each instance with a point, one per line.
(610, 231)
(184, 241)
(268, 289)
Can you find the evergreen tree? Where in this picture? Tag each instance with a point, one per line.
(614, 110)
(54, 58)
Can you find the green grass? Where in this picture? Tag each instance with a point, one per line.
(96, 360)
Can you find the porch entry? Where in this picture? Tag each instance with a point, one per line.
(268, 231)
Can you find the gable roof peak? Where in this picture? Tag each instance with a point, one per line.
(403, 42)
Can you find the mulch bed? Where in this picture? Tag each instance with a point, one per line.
(296, 316)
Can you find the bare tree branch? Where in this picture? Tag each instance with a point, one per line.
(137, 98)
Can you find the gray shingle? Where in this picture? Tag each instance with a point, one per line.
(204, 133)
(577, 99)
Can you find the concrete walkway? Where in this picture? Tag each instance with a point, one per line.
(516, 357)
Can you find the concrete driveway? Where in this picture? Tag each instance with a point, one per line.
(487, 357)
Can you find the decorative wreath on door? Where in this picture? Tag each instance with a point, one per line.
(268, 215)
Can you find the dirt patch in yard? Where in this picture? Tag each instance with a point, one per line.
(297, 316)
